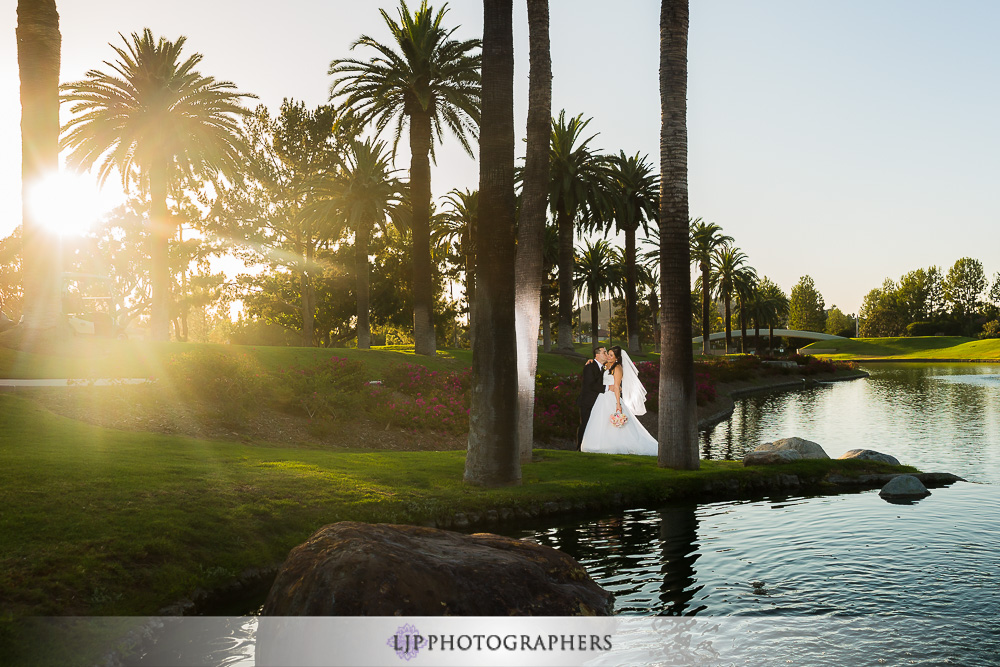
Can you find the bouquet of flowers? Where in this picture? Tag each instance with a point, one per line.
(618, 420)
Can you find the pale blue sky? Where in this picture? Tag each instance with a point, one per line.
(851, 140)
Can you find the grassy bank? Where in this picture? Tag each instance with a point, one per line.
(104, 522)
(909, 349)
(93, 358)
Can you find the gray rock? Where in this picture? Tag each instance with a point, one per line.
(904, 486)
(770, 457)
(359, 569)
(807, 448)
(870, 455)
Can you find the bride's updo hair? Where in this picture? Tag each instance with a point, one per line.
(617, 349)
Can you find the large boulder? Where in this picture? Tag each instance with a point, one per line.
(806, 448)
(771, 457)
(904, 487)
(359, 569)
(869, 455)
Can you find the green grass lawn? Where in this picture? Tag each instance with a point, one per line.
(90, 358)
(918, 347)
(104, 522)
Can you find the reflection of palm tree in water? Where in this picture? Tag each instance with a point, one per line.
(678, 554)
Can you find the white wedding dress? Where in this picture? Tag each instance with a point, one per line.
(603, 437)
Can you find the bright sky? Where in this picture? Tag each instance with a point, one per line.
(851, 140)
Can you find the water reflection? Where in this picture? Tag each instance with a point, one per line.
(942, 417)
(678, 554)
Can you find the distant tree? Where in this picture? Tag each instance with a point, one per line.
(995, 290)
(268, 215)
(729, 267)
(577, 178)
(598, 275)
(839, 324)
(913, 295)
(880, 315)
(424, 78)
(11, 287)
(744, 287)
(634, 191)
(806, 310)
(772, 307)
(156, 120)
(705, 238)
(964, 286)
(458, 224)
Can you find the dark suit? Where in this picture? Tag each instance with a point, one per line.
(593, 386)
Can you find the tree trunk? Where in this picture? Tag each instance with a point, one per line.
(678, 423)
(546, 321)
(159, 242)
(631, 299)
(38, 56)
(493, 457)
(470, 285)
(743, 327)
(706, 299)
(530, 262)
(420, 198)
(728, 301)
(565, 224)
(756, 336)
(770, 340)
(361, 269)
(595, 307)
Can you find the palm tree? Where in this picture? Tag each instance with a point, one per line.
(678, 425)
(361, 195)
(38, 56)
(635, 192)
(429, 81)
(597, 275)
(530, 261)
(577, 175)
(155, 119)
(744, 284)
(493, 457)
(773, 307)
(459, 225)
(705, 238)
(550, 283)
(729, 261)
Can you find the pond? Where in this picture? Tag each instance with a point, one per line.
(838, 580)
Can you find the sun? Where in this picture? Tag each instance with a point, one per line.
(68, 204)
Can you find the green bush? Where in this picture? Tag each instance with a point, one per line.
(922, 329)
(227, 386)
(990, 330)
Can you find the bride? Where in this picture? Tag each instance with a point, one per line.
(625, 396)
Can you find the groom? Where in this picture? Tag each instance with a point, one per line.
(593, 386)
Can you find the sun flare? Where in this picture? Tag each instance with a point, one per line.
(68, 204)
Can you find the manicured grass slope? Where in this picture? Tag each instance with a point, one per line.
(90, 358)
(97, 521)
(919, 347)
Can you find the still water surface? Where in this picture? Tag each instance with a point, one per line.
(875, 583)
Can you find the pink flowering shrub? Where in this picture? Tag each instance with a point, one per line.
(556, 413)
(414, 397)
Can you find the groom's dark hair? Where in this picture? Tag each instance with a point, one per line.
(598, 348)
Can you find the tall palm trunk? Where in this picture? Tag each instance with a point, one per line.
(631, 297)
(706, 300)
(565, 225)
(493, 457)
(546, 321)
(756, 335)
(678, 426)
(728, 301)
(470, 282)
(770, 339)
(530, 263)
(743, 326)
(38, 57)
(361, 269)
(595, 306)
(159, 241)
(420, 193)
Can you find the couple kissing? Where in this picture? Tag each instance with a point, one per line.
(611, 397)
